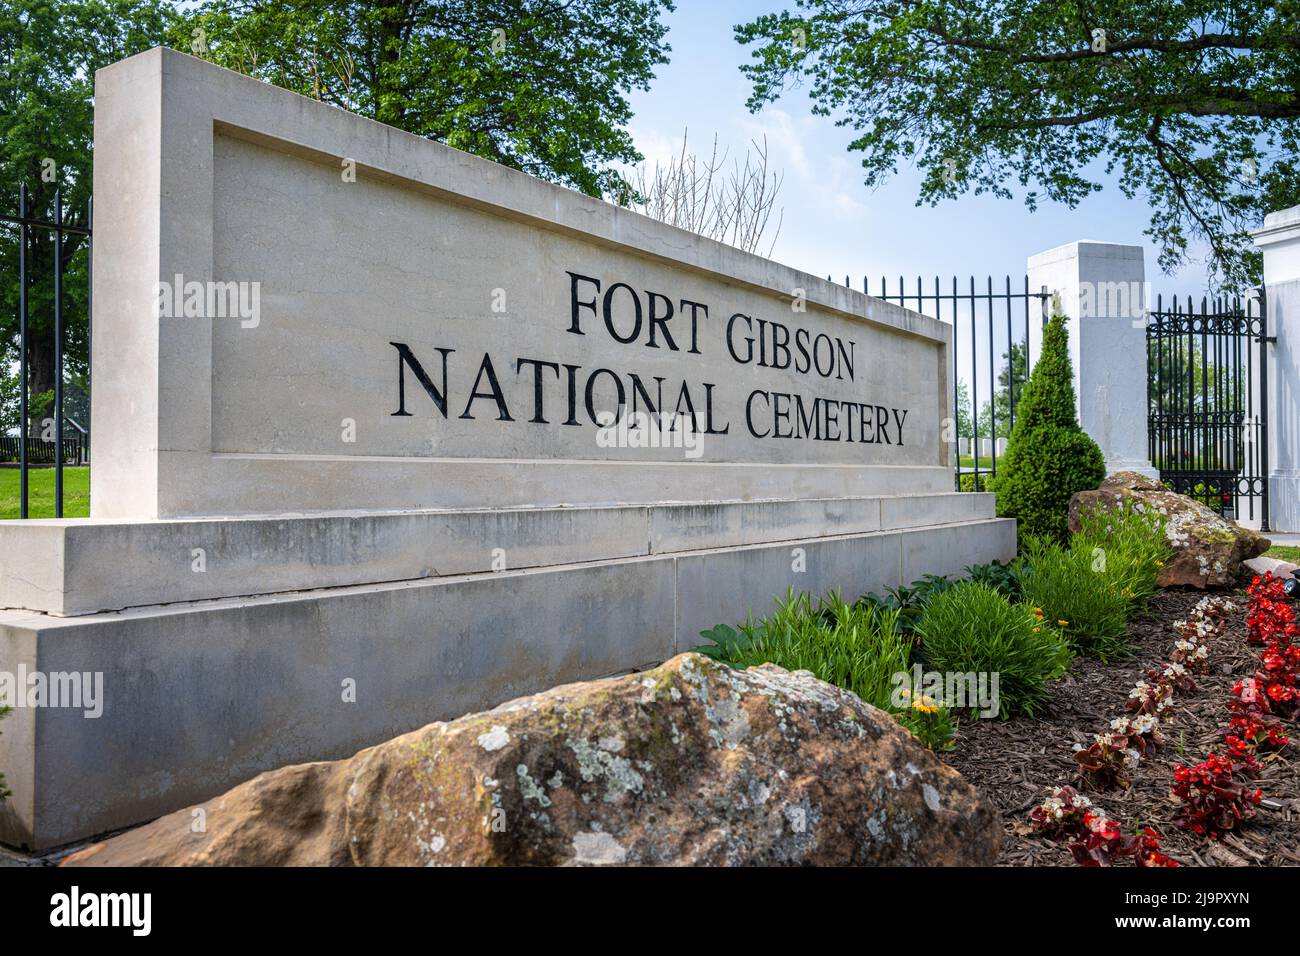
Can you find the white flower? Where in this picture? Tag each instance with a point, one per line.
(1137, 726)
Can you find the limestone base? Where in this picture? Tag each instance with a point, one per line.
(1284, 502)
(406, 624)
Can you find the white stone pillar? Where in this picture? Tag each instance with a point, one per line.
(1103, 293)
(1280, 242)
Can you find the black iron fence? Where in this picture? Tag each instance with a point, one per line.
(990, 360)
(27, 449)
(1207, 387)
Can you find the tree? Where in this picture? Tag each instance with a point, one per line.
(8, 398)
(1011, 382)
(538, 85)
(1179, 378)
(698, 195)
(964, 427)
(1193, 104)
(51, 50)
(1049, 457)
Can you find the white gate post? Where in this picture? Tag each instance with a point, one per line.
(1280, 242)
(1103, 293)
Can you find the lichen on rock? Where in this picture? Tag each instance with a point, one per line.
(692, 763)
(1208, 549)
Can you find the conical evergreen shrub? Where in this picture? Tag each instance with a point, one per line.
(1049, 457)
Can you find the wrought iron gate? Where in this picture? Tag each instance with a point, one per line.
(1207, 379)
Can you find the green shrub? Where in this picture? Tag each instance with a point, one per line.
(1084, 603)
(908, 600)
(1127, 546)
(855, 646)
(972, 627)
(1048, 457)
(1003, 578)
(970, 481)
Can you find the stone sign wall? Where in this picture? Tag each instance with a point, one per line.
(319, 312)
(385, 433)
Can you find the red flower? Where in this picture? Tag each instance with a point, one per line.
(1214, 798)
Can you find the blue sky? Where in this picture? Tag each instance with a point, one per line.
(833, 223)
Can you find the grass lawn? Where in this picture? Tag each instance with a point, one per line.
(40, 492)
(1284, 552)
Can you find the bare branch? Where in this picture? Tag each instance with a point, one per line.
(701, 196)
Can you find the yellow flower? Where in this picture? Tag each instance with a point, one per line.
(1038, 613)
(1160, 564)
(1037, 629)
(925, 705)
(1062, 623)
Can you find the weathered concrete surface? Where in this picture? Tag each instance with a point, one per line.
(1208, 549)
(688, 764)
(200, 696)
(81, 566)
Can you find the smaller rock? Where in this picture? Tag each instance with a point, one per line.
(1208, 549)
(1262, 564)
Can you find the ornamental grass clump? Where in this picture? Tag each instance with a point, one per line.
(855, 646)
(1128, 547)
(1049, 457)
(1069, 588)
(973, 628)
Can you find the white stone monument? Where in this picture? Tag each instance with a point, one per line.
(1104, 295)
(350, 470)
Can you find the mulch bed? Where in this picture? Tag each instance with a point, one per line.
(1016, 763)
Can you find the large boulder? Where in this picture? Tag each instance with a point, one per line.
(689, 763)
(1208, 549)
